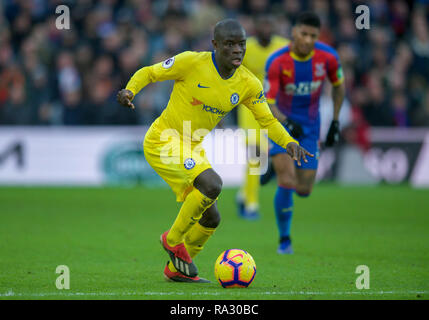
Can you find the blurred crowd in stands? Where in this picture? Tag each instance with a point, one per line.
(70, 77)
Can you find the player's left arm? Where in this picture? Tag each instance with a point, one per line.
(335, 74)
(338, 94)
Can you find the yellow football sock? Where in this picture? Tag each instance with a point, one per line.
(191, 211)
(251, 188)
(196, 238)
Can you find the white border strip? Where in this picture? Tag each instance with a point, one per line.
(10, 293)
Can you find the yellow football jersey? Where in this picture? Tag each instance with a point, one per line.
(201, 97)
(256, 55)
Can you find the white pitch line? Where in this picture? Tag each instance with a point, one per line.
(10, 293)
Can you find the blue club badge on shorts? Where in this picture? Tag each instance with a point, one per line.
(189, 163)
(234, 98)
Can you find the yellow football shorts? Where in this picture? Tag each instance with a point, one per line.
(177, 165)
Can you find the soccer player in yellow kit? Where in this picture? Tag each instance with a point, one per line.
(207, 86)
(258, 49)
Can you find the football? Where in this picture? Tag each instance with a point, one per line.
(235, 268)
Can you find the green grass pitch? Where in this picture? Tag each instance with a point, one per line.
(109, 239)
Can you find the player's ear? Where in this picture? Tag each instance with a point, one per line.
(214, 43)
(294, 32)
(317, 34)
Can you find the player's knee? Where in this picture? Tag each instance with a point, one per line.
(210, 218)
(303, 191)
(209, 183)
(286, 180)
(214, 220)
(212, 188)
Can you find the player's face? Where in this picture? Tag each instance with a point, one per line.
(304, 38)
(264, 29)
(231, 49)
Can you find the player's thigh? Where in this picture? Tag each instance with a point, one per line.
(306, 173)
(175, 167)
(285, 170)
(305, 181)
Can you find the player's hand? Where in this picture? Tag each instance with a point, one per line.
(125, 97)
(294, 128)
(333, 135)
(297, 153)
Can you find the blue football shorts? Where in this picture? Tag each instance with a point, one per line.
(309, 141)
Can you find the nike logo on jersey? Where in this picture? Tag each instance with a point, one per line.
(200, 86)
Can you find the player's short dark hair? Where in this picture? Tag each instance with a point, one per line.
(226, 24)
(308, 18)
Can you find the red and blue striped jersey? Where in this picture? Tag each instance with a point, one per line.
(295, 84)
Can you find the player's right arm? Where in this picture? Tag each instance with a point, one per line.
(174, 68)
(271, 87)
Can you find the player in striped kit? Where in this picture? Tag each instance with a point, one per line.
(293, 86)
